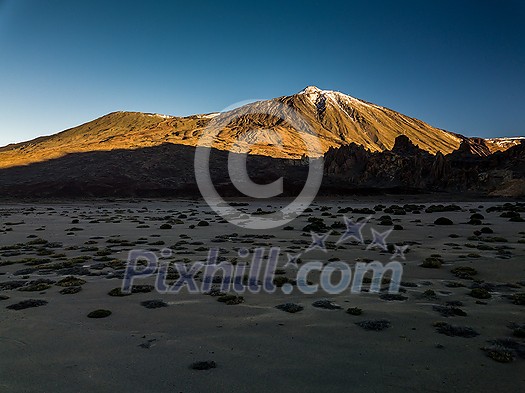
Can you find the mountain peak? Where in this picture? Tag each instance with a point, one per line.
(310, 90)
(314, 92)
(337, 119)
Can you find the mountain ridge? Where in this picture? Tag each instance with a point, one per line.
(337, 119)
(167, 170)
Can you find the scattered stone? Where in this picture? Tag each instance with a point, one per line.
(101, 313)
(443, 221)
(315, 224)
(203, 365)
(70, 281)
(455, 331)
(519, 298)
(147, 344)
(326, 304)
(392, 297)
(449, 311)
(454, 284)
(279, 281)
(465, 272)
(70, 290)
(231, 300)
(215, 293)
(480, 293)
(432, 263)
(375, 325)
(499, 354)
(25, 272)
(9, 285)
(37, 285)
(290, 307)
(518, 330)
(354, 311)
(504, 350)
(142, 288)
(442, 208)
(429, 294)
(27, 304)
(118, 292)
(154, 304)
(74, 271)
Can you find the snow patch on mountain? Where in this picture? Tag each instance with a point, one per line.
(318, 97)
(159, 115)
(209, 115)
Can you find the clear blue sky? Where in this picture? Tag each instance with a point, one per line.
(458, 65)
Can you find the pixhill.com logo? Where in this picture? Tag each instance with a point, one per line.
(258, 273)
(237, 165)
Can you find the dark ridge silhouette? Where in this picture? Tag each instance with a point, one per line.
(159, 171)
(410, 168)
(168, 171)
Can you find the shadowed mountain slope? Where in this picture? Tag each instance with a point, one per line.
(257, 128)
(168, 170)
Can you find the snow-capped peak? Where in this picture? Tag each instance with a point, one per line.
(310, 90)
(318, 97)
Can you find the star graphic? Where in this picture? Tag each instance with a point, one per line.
(318, 241)
(399, 251)
(379, 239)
(354, 230)
(292, 261)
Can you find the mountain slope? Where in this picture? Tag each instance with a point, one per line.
(338, 119)
(167, 171)
(117, 130)
(502, 144)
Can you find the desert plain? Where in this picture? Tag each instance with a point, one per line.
(456, 325)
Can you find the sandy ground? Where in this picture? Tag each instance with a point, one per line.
(256, 347)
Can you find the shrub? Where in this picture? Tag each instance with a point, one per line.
(70, 281)
(354, 311)
(455, 331)
(231, 300)
(432, 263)
(518, 298)
(203, 365)
(465, 272)
(375, 325)
(443, 221)
(480, 293)
(290, 307)
(101, 313)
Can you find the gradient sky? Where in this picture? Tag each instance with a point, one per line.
(458, 65)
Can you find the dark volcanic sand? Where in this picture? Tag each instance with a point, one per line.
(253, 345)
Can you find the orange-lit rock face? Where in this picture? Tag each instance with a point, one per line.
(338, 119)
